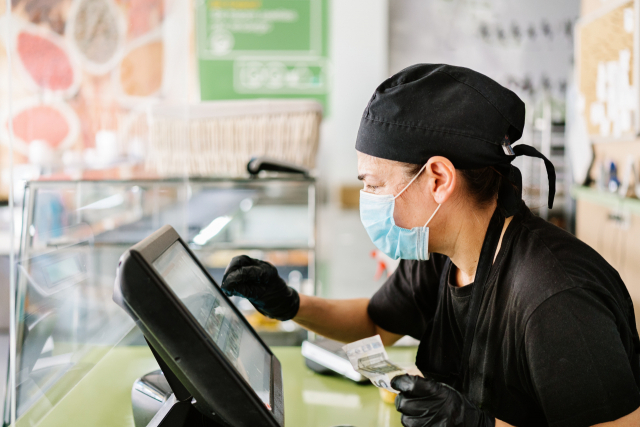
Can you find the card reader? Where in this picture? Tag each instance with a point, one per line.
(326, 357)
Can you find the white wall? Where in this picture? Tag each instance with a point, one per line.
(508, 40)
(359, 57)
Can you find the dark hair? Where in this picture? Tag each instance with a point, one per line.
(482, 184)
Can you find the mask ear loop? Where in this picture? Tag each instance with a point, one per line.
(407, 186)
(410, 182)
(432, 215)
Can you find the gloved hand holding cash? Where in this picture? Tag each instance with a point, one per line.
(426, 402)
(422, 401)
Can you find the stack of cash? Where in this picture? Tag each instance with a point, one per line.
(370, 359)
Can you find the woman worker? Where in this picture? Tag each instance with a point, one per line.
(519, 322)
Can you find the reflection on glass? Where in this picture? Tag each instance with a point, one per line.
(74, 233)
(66, 322)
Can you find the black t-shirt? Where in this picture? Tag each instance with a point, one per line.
(555, 343)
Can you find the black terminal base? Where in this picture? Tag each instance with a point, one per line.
(180, 414)
(178, 410)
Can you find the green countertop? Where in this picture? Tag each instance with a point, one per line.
(103, 396)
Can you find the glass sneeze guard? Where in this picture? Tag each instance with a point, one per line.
(73, 233)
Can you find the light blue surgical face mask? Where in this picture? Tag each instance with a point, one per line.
(376, 213)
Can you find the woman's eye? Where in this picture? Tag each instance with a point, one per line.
(372, 187)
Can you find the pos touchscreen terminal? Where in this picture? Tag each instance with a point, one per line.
(220, 371)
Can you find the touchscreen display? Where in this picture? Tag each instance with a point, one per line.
(204, 300)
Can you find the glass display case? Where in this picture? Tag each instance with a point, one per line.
(73, 233)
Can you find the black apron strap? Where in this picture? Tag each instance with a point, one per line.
(510, 193)
(443, 278)
(487, 253)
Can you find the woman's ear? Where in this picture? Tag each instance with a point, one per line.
(441, 178)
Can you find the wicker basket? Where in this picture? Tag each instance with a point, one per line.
(219, 138)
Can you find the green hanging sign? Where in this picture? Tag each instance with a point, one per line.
(262, 49)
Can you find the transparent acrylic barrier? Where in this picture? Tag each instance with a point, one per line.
(74, 233)
(66, 321)
(207, 213)
(271, 219)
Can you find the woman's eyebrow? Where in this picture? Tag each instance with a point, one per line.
(362, 177)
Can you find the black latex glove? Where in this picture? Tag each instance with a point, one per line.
(424, 402)
(258, 281)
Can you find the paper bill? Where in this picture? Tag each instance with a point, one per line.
(370, 359)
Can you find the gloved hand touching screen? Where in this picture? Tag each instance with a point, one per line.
(258, 281)
(425, 402)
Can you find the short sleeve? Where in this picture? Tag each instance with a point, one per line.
(407, 300)
(577, 363)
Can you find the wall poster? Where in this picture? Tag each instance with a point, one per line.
(262, 49)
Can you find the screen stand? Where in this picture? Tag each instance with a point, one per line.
(178, 409)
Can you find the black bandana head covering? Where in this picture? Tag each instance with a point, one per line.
(440, 110)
